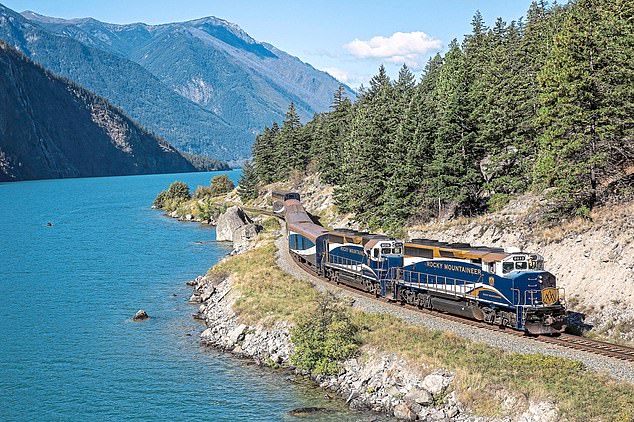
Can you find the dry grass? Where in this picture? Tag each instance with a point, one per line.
(581, 395)
(559, 232)
(267, 294)
(482, 372)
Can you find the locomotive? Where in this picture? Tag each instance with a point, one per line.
(504, 287)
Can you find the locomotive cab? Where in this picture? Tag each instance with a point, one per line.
(517, 262)
(384, 255)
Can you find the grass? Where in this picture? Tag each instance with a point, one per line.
(267, 295)
(581, 394)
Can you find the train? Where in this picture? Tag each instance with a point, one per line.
(503, 287)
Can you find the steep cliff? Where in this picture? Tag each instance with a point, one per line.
(52, 128)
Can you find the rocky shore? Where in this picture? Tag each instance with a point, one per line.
(373, 381)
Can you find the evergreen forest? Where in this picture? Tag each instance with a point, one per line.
(544, 104)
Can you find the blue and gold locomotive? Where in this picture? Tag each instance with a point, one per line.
(502, 287)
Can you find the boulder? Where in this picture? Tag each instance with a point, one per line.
(140, 315)
(242, 236)
(402, 411)
(436, 383)
(422, 397)
(207, 292)
(237, 334)
(540, 412)
(228, 222)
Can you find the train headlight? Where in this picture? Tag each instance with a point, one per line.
(541, 279)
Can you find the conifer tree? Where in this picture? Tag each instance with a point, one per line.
(248, 183)
(292, 145)
(583, 102)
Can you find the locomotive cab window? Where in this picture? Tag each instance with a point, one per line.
(536, 265)
(375, 252)
(386, 251)
(521, 265)
(507, 267)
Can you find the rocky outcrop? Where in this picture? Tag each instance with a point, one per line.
(375, 381)
(235, 226)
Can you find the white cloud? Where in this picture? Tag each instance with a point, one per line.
(401, 47)
(339, 74)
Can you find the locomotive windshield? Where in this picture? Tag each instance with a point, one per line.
(522, 262)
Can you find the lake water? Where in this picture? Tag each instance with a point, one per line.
(68, 349)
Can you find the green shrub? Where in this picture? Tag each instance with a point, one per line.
(170, 199)
(208, 209)
(324, 337)
(498, 201)
(221, 184)
(179, 190)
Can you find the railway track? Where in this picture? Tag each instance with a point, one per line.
(623, 353)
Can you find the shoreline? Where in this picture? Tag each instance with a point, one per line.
(378, 381)
(384, 384)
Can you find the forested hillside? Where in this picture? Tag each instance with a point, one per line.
(53, 128)
(545, 103)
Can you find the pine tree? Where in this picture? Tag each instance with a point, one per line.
(454, 179)
(365, 169)
(330, 139)
(583, 102)
(248, 183)
(293, 146)
(264, 157)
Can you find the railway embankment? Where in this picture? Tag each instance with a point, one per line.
(253, 303)
(591, 257)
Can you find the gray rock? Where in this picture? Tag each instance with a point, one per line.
(243, 236)
(403, 411)
(207, 292)
(237, 334)
(422, 397)
(540, 412)
(228, 222)
(140, 315)
(436, 383)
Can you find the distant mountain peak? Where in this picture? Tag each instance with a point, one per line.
(204, 84)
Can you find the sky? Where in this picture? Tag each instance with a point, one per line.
(348, 39)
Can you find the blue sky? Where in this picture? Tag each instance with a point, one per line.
(349, 39)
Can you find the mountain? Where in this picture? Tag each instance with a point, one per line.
(223, 85)
(127, 85)
(52, 128)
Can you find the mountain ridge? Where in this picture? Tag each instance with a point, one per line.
(210, 63)
(53, 128)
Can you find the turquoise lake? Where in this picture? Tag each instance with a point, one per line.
(68, 349)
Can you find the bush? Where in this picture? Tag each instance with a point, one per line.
(179, 190)
(170, 199)
(221, 184)
(324, 337)
(208, 210)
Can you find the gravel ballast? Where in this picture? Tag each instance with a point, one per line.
(613, 367)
